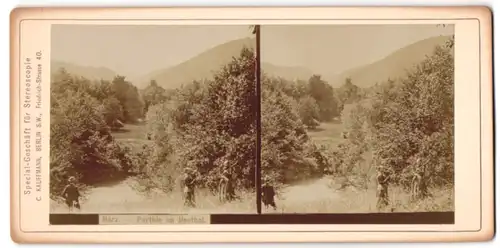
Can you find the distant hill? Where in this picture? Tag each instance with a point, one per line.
(199, 67)
(287, 72)
(91, 73)
(393, 66)
(205, 64)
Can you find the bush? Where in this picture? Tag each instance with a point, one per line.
(81, 144)
(203, 125)
(309, 112)
(407, 127)
(287, 153)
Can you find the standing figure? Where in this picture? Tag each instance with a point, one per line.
(71, 194)
(223, 186)
(189, 181)
(382, 190)
(268, 194)
(226, 185)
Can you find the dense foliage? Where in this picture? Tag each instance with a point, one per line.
(207, 123)
(83, 113)
(403, 128)
(406, 127)
(153, 94)
(203, 125)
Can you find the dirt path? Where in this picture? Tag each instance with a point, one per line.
(316, 190)
(315, 196)
(123, 198)
(309, 197)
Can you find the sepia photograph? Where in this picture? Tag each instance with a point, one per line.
(357, 118)
(354, 118)
(280, 124)
(152, 119)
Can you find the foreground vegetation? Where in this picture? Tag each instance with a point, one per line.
(401, 128)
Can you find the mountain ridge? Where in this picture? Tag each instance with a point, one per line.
(394, 65)
(204, 64)
(89, 72)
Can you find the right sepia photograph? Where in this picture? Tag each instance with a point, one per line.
(356, 118)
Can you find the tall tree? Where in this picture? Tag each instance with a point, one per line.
(153, 94)
(129, 97)
(322, 92)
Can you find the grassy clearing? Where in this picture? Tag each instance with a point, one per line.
(326, 195)
(132, 135)
(123, 198)
(327, 134)
(352, 200)
(315, 196)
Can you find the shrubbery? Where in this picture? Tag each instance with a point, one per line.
(207, 123)
(406, 127)
(82, 116)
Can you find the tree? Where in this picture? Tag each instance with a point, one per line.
(287, 154)
(301, 89)
(112, 112)
(153, 94)
(349, 93)
(129, 97)
(410, 126)
(80, 141)
(309, 112)
(404, 128)
(322, 92)
(204, 125)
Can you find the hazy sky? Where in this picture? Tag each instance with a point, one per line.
(136, 50)
(332, 49)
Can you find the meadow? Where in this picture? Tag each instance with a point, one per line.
(122, 197)
(329, 194)
(318, 195)
(322, 146)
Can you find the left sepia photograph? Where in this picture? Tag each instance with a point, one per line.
(152, 119)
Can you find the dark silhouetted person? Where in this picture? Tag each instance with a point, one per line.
(268, 194)
(71, 194)
(227, 182)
